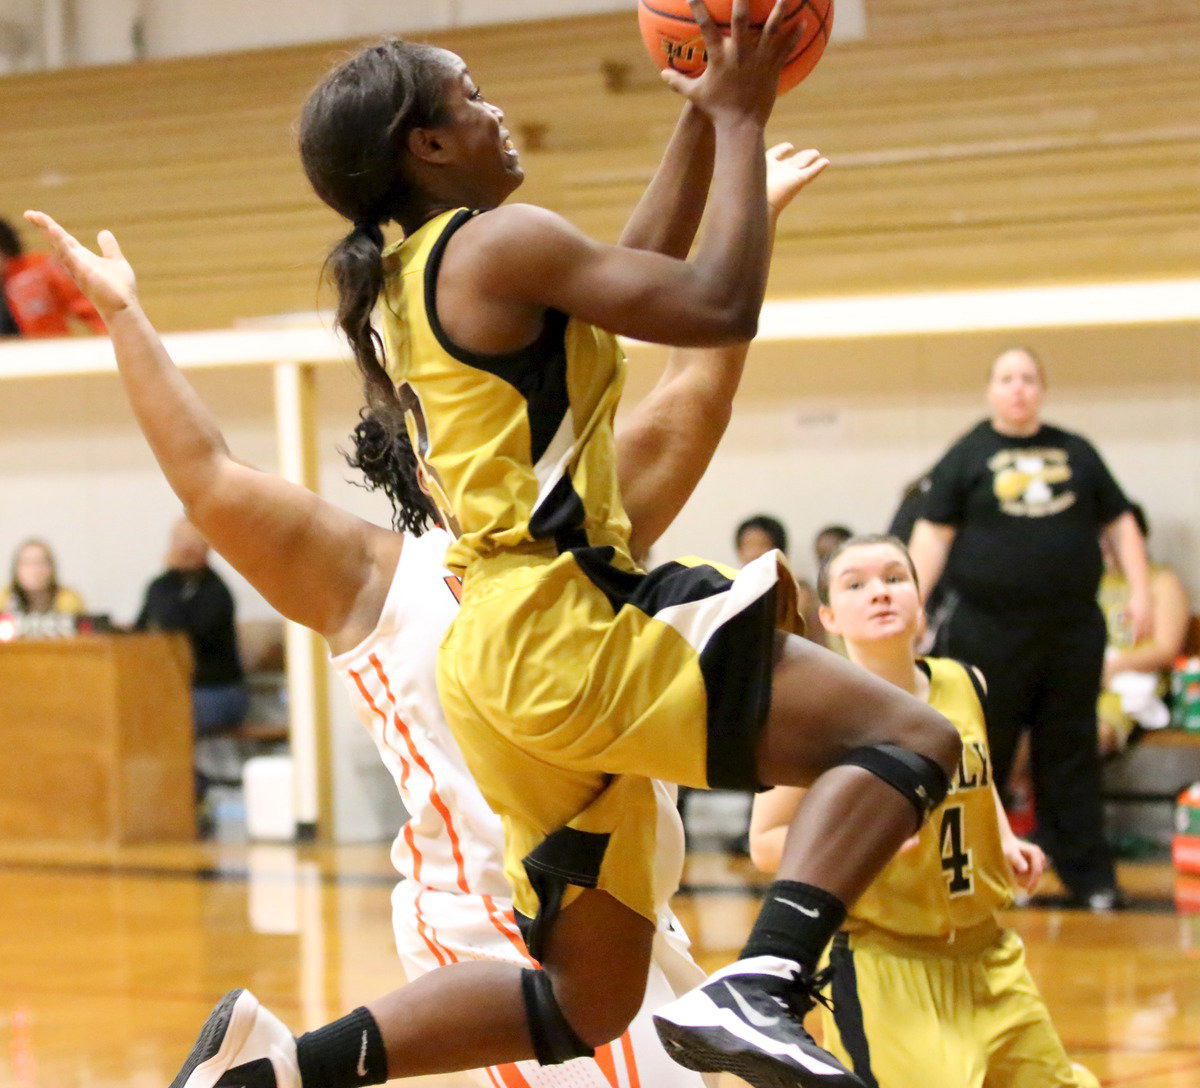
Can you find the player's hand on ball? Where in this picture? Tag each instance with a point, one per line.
(742, 76)
(788, 171)
(106, 278)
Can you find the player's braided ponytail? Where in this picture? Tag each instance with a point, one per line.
(352, 130)
(386, 460)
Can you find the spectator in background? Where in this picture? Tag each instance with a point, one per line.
(190, 597)
(827, 541)
(940, 600)
(912, 500)
(760, 534)
(1013, 519)
(41, 299)
(8, 327)
(33, 587)
(1137, 671)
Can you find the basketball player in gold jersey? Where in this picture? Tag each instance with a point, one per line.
(928, 988)
(570, 678)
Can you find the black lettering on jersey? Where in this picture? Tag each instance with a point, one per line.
(985, 764)
(974, 768)
(431, 483)
(957, 860)
(965, 780)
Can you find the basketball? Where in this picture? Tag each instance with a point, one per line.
(674, 40)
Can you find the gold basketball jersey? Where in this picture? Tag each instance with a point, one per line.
(516, 449)
(956, 875)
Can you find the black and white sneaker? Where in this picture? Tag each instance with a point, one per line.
(747, 1019)
(241, 1045)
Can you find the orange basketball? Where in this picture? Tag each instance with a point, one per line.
(674, 40)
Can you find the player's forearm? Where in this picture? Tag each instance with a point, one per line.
(734, 254)
(1007, 836)
(668, 215)
(929, 548)
(766, 848)
(180, 430)
(1131, 554)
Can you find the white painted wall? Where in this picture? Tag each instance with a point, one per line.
(822, 432)
(831, 432)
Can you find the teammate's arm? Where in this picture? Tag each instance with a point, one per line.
(665, 445)
(1026, 859)
(266, 527)
(770, 818)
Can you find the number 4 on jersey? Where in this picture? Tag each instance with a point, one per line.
(956, 859)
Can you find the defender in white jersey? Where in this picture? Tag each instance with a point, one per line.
(454, 904)
(381, 600)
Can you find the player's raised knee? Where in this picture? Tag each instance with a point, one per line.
(562, 1028)
(918, 760)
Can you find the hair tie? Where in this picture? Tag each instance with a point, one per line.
(372, 230)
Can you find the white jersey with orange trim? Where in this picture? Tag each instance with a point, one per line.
(455, 903)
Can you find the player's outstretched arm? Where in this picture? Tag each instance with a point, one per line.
(666, 444)
(270, 530)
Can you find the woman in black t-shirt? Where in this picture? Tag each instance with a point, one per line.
(1012, 523)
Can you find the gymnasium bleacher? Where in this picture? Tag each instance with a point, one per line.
(973, 145)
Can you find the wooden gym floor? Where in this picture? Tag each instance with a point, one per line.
(111, 959)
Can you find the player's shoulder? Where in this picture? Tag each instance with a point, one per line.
(515, 230)
(959, 672)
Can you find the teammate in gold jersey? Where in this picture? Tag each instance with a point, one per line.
(928, 987)
(570, 678)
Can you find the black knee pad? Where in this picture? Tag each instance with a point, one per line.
(554, 1040)
(922, 781)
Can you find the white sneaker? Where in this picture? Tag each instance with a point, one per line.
(241, 1045)
(747, 1019)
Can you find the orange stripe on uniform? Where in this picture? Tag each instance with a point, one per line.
(455, 584)
(512, 1076)
(499, 920)
(607, 1064)
(434, 796)
(404, 770)
(630, 1060)
(428, 937)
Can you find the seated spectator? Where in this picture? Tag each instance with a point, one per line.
(40, 297)
(191, 597)
(1137, 673)
(33, 587)
(8, 327)
(760, 534)
(827, 541)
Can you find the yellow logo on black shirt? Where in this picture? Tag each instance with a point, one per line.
(1027, 482)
